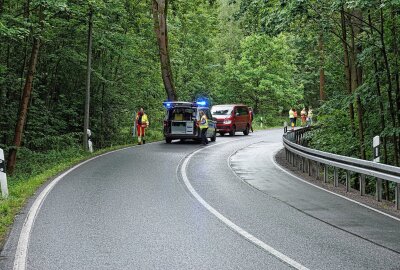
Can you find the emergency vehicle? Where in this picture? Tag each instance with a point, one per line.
(182, 121)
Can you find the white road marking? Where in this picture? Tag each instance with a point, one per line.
(331, 192)
(22, 248)
(228, 222)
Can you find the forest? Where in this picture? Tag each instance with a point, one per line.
(338, 57)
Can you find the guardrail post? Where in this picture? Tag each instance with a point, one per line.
(3, 176)
(335, 177)
(298, 160)
(348, 174)
(294, 159)
(303, 167)
(397, 196)
(379, 189)
(318, 171)
(362, 184)
(309, 168)
(325, 173)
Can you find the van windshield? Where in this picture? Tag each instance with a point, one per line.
(221, 110)
(182, 114)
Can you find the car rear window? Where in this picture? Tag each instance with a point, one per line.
(221, 110)
(182, 114)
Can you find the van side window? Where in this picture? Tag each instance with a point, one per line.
(243, 111)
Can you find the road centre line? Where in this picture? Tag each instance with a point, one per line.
(228, 222)
(21, 252)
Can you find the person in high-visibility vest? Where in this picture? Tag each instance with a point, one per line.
(303, 115)
(142, 122)
(310, 116)
(291, 118)
(203, 127)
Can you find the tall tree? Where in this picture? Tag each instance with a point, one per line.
(26, 95)
(160, 11)
(347, 65)
(322, 94)
(88, 78)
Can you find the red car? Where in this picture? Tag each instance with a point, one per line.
(232, 118)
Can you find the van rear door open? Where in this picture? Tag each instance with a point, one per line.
(182, 121)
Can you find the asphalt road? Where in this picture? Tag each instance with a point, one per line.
(226, 206)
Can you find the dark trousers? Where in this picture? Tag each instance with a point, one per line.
(204, 136)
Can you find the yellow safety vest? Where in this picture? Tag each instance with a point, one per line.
(203, 122)
(145, 120)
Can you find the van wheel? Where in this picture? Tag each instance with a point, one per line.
(214, 138)
(246, 131)
(233, 131)
(168, 140)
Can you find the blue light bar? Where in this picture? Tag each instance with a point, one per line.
(201, 103)
(167, 104)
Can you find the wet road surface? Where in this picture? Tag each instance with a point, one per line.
(133, 210)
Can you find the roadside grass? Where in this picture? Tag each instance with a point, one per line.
(262, 122)
(34, 169)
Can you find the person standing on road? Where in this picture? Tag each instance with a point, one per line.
(310, 116)
(303, 115)
(142, 122)
(251, 118)
(291, 118)
(203, 127)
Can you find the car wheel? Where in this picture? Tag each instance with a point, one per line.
(214, 138)
(222, 133)
(168, 140)
(246, 131)
(233, 131)
(183, 140)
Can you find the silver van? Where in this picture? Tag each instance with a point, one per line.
(182, 121)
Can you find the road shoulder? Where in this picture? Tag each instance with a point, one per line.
(369, 200)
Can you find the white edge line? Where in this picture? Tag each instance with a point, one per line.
(331, 192)
(21, 252)
(228, 222)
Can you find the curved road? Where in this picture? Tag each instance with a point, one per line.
(184, 206)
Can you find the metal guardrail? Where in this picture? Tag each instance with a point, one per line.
(305, 158)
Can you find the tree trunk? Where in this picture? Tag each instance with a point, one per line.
(26, 15)
(160, 9)
(1, 6)
(396, 62)
(379, 95)
(19, 129)
(88, 74)
(381, 109)
(27, 8)
(390, 87)
(347, 69)
(356, 78)
(322, 67)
